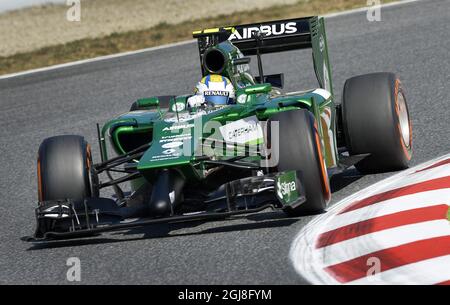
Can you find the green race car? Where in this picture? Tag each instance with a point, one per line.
(266, 149)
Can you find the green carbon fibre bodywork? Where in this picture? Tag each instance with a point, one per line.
(163, 126)
(151, 121)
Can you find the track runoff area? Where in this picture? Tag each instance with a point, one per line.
(396, 231)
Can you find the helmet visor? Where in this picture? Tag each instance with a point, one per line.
(217, 99)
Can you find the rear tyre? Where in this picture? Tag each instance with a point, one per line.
(299, 149)
(376, 121)
(64, 164)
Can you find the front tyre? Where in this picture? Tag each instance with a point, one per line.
(376, 121)
(64, 165)
(299, 149)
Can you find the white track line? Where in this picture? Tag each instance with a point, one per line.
(171, 45)
(95, 59)
(364, 9)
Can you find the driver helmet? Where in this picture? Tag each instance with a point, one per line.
(216, 89)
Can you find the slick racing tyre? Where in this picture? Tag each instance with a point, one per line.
(63, 169)
(376, 121)
(299, 149)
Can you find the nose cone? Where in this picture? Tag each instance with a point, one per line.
(167, 192)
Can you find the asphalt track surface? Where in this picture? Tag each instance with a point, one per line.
(411, 40)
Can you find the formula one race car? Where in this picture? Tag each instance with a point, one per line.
(268, 149)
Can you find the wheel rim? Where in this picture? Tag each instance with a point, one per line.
(403, 119)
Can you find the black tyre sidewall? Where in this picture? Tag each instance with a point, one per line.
(298, 151)
(371, 122)
(64, 169)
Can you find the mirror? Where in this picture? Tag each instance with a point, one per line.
(259, 88)
(148, 102)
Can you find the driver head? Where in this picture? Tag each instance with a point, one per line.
(217, 90)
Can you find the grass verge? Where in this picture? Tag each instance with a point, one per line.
(162, 34)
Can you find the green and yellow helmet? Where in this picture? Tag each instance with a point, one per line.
(216, 89)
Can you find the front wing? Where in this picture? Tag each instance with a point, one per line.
(64, 219)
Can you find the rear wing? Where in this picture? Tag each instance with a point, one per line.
(279, 36)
